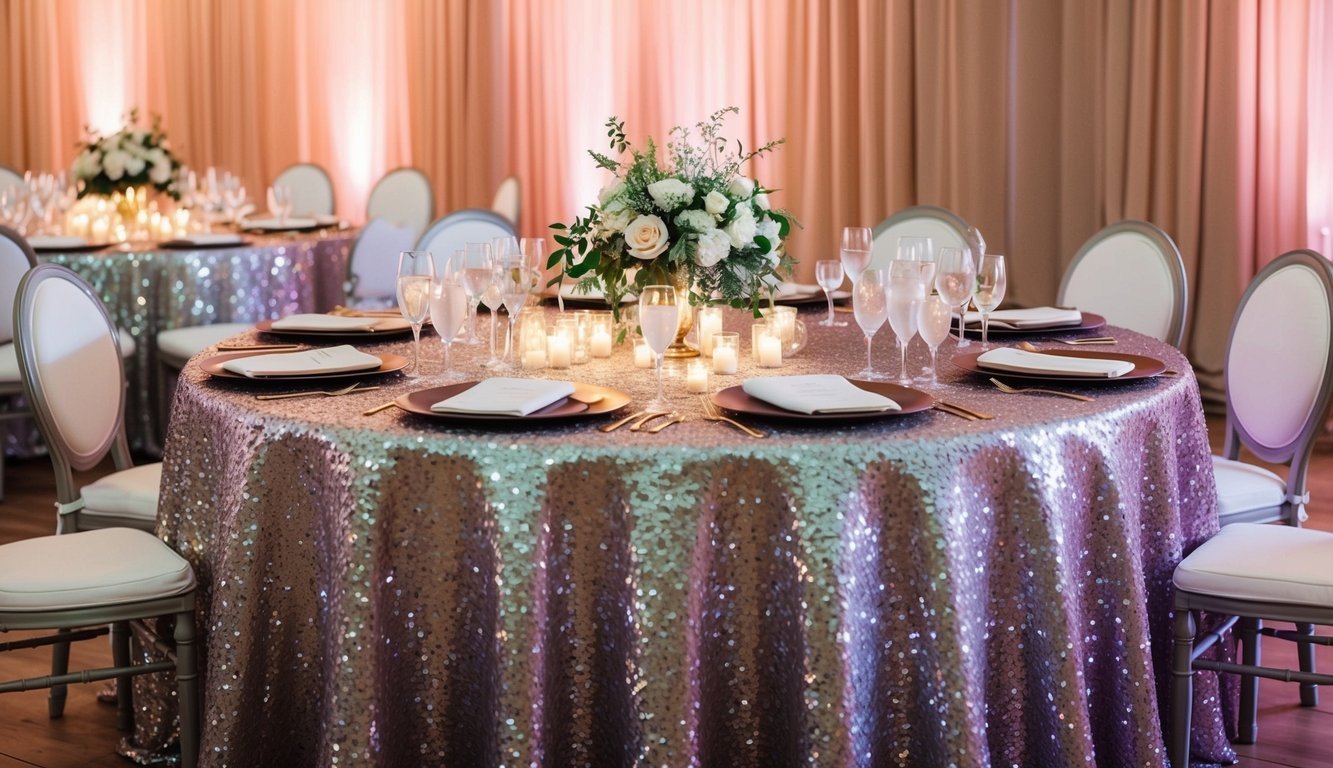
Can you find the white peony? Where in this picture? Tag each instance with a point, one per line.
(716, 203)
(114, 164)
(714, 245)
(695, 220)
(610, 192)
(761, 201)
(134, 165)
(161, 173)
(769, 229)
(741, 229)
(615, 219)
(741, 188)
(671, 194)
(646, 237)
(155, 156)
(87, 164)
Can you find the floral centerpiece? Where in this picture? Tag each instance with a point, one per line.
(695, 221)
(130, 157)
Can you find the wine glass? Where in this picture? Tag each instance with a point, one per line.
(280, 202)
(533, 250)
(855, 252)
(475, 266)
(516, 282)
(912, 248)
(504, 247)
(448, 310)
(659, 315)
(416, 274)
(493, 298)
(956, 280)
(933, 325)
(828, 272)
(906, 293)
(870, 306)
(991, 283)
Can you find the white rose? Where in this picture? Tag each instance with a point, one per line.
(741, 229)
(134, 165)
(741, 188)
(716, 203)
(714, 245)
(616, 220)
(761, 201)
(769, 229)
(114, 164)
(695, 220)
(87, 164)
(155, 156)
(646, 236)
(610, 192)
(161, 173)
(671, 194)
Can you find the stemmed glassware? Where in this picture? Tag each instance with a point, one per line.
(516, 282)
(416, 276)
(857, 243)
(828, 272)
(933, 325)
(870, 306)
(493, 297)
(991, 284)
(448, 310)
(659, 315)
(912, 248)
(280, 202)
(956, 280)
(906, 293)
(475, 266)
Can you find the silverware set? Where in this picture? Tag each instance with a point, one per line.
(353, 389)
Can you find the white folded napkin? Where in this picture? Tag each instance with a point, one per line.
(816, 394)
(1020, 361)
(56, 241)
(292, 222)
(317, 322)
(790, 290)
(209, 238)
(1033, 318)
(506, 397)
(309, 362)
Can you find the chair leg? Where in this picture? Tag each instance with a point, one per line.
(187, 688)
(1182, 689)
(1248, 635)
(1305, 653)
(55, 700)
(120, 657)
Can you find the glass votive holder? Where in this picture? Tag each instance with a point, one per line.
(601, 332)
(560, 343)
(531, 341)
(726, 352)
(643, 354)
(708, 323)
(783, 321)
(696, 377)
(765, 345)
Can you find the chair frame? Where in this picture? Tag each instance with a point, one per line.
(1250, 614)
(430, 190)
(352, 279)
(1175, 266)
(922, 212)
(465, 214)
(14, 389)
(518, 199)
(333, 191)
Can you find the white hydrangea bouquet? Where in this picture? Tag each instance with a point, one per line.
(695, 221)
(130, 157)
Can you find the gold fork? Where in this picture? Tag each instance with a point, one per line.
(713, 413)
(1005, 388)
(318, 393)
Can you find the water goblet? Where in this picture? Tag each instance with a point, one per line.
(857, 244)
(416, 275)
(829, 273)
(870, 307)
(659, 316)
(933, 325)
(475, 265)
(906, 292)
(991, 284)
(956, 280)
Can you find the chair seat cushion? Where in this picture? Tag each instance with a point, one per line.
(76, 570)
(1270, 563)
(184, 343)
(9, 363)
(1244, 487)
(128, 493)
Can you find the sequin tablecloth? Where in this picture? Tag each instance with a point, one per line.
(148, 289)
(922, 590)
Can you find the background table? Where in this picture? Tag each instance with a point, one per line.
(919, 590)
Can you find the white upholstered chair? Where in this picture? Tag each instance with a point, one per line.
(1278, 389)
(1130, 273)
(372, 269)
(455, 230)
(404, 198)
(9, 178)
(16, 258)
(506, 201)
(311, 189)
(942, 226)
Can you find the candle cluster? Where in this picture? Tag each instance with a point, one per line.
(100, 220)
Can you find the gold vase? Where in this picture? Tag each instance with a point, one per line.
(128, 204)
(679, 349)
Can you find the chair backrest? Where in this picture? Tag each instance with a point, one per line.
(70, 362)
(16, 258)
(506, 200)
(1131, 273)
(372, 271)
(404, 197)
(1279, 357)
(455, 230)
(311, 189)
(942, 226)
(9, 178)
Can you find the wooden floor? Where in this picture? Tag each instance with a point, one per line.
(86, 736)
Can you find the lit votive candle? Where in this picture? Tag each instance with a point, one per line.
(710, 322)
(534, 359)
(600, 343)
(101, 227)
(726, 352)
(696, 378)
(769, 351)
(558, 351)
(643, 356)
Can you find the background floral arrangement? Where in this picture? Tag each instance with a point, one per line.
(130, 157)
(697, 216)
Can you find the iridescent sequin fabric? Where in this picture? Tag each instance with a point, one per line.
(920, 590)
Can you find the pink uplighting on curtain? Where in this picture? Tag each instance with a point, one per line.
(1319, 181)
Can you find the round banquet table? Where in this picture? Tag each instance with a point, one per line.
(915, 590)
(148, 288)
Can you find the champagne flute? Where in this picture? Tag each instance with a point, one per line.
(516, 282)
(476, 264)
(991, 284)
(870, 306)
(855, 252)
(448, 310)
(533, 250)
(956, 280)
(659, 315)
(906, 293)
(933, 325)
(493, 298)
(416, 274)
(828, 272)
